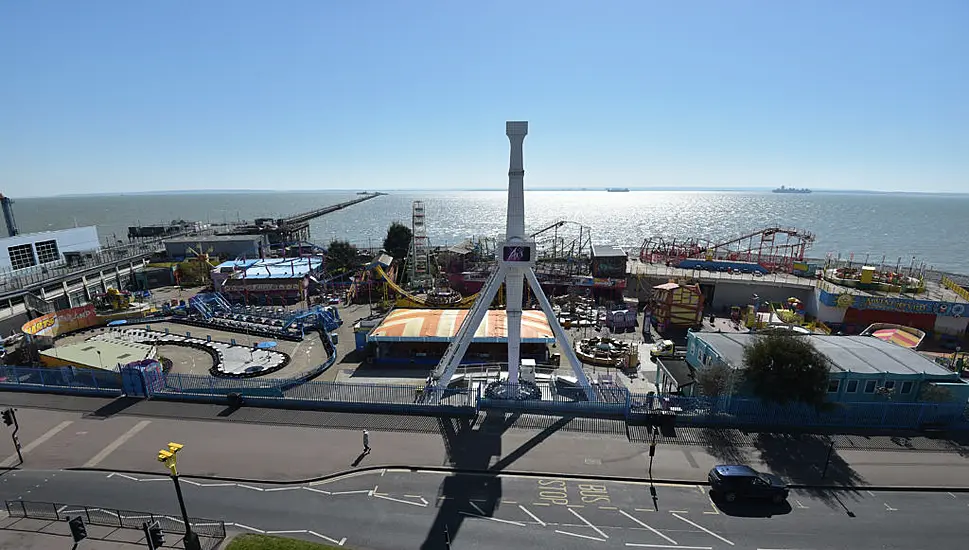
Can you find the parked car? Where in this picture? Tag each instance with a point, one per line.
(734, 482)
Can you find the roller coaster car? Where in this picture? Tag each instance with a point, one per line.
(663, 348)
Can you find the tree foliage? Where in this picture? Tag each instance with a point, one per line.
(397, 241)
(782, 367)
(715, 380)
(341, 256)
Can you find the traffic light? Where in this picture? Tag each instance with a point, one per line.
(154, 534)
(8, 417)
(78, 530)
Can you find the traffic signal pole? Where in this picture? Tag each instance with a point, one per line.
(10, 417)
(191, 539)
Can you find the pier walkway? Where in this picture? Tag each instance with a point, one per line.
(307, 216)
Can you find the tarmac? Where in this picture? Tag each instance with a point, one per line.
(284, 446)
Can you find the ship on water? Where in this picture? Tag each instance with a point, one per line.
(783, 189)
(617, 189)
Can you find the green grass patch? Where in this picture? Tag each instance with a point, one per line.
(266, 542)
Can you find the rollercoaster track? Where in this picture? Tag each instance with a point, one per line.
(416, 301)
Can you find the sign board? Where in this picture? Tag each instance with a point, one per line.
(901, 305)
(516, 253)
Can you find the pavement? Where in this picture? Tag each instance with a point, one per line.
(275, 445)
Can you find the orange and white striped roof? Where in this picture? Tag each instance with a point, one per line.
(441, 325)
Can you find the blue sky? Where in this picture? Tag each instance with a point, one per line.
(106, 96)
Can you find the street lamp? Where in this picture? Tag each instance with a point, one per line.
(168, 458)
(100, 364)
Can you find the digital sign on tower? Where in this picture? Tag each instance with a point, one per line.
(516, 254)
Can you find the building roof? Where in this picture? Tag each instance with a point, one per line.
(274, 268)
(607, 251)
(854, 354)
(112, 353)
(678, 369)
(441, 325)
(213, 239)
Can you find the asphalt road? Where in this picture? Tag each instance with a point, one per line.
(396, 510)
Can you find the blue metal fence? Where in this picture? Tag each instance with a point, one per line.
(611, 400)
(727, 411)
(66, 379)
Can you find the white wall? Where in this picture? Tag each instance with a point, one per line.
(951, 325)
(77, 239)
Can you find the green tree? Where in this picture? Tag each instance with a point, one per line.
(341, 256)
(783, 367)
(930, 393)
(397, 241)
(715, 380)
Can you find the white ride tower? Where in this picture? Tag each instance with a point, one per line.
(516, 263)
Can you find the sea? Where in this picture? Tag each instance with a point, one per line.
(868, 227)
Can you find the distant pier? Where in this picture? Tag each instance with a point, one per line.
(293, 228)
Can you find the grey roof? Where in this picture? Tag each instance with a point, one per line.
(607, 251)
(214, 239)
(856, 354)
(678, 369)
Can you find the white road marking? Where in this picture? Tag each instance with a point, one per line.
(585, 521)
(533, 516)
(668, 546)
(385, 497)
(325, 492)
(671, 541)
(244, 486)
(951, 495)
(889, 508)
(478, 508)
(580, 536)
(799, 505)
(10, 460)
(250, 528)
(297, 531)
(702, 528)
(871, 494)
(499, 520)
(113, 446)
(326, 538)
(277, 489)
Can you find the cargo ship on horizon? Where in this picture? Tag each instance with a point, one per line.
(783, 189)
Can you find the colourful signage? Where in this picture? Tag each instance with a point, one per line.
(60, 322)
(901, 305)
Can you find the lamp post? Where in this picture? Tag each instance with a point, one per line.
(100, 364)
(168, 458)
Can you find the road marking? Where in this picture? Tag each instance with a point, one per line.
(277, 489)
(951, 495)
(244, 486)
(713, 506)
(326, 538)
(889, 508)
(668, 546)
(499, 520)
(580, 536)
(250, 528)
(644, 509)
(355, 492)
(113, 446)
(679, 511)
(702, 528)
(509, 501)
(608, 508)
(799, 505)
(870, 493)
(478, 508)
(671, 541)
(385, 497)
(540, 504)
(10, 460)
(293, 532)
(585, 521)
(533, 516)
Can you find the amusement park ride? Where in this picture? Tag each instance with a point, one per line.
(516, 264)
(775, 249)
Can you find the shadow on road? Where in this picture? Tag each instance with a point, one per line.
(117, 406)
(724, 445)
(474, 490)
(810, 460)
(752, 508)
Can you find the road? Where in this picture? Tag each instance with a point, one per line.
(396, 509)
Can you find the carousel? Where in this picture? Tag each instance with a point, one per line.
(607, 352)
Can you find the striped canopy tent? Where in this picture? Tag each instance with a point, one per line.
(897, 336)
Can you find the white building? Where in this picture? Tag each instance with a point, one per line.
(47, 247)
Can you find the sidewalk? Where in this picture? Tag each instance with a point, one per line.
(129, 438)
(32, 534)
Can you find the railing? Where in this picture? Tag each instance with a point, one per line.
(605, 400)
(211, 532)
(955, 287)
(69, 379)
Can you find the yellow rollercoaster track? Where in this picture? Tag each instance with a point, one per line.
(410, 300)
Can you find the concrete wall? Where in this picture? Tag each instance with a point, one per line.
(739, 294)
(951, 325)
(77, 239)
(247, 246)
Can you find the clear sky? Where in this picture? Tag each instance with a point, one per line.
(108, 96)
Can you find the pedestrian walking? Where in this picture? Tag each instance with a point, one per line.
(366, 441)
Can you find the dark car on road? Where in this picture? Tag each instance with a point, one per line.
(734, 482)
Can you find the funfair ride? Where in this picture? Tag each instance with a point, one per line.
(776, 249)
(516, 264)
